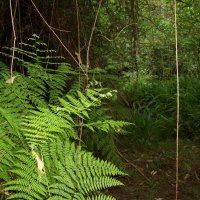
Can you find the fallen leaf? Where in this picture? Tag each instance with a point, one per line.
(153, 173)
(11, 80)
(40, 163)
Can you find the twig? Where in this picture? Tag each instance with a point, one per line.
(133, 165)
(56, 36)
(78, 54)
(87, 62)
(14, 40)
(61, 30)
(118, 34)
(89, 45)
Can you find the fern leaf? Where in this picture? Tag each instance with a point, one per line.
(28, 183)
(82, 174)
(101, 197)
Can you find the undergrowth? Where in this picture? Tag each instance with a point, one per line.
(41, 119)
(151, 105)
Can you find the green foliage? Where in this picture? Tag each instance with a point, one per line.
(39, 155)
(153, 108)
(39, 83)
(68, 173)
(63, 120)
(103, 139)
(84, 174)
(28, 183)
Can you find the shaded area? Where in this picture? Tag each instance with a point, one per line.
(158, 165)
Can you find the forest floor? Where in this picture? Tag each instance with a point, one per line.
(152, 172)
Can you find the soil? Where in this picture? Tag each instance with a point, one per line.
(152, 172)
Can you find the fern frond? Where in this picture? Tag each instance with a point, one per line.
(7, 147)
(101, 197)
(44, 125)
(57, 82)
(108, 125)
(98, 183)
(11, 123)
(80, 174)
(55, 168)
(69, 174)
(104, 131)
(29, 183)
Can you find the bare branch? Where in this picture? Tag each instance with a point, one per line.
(56, 36)
(89, 43)
(14, 39)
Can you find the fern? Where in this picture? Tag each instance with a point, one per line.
(6, 156)
(39, 158)
(34, 52)
(104, 130)
(79, 173)
(29, 183)
(44, 124)
(57, 82)
(41, 84)
(70, 175)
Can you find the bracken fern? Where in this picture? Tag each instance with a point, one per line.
(39, 155)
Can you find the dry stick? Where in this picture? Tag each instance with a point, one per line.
(78, 54)
(14, 41)
(53, 32)
(60, 30)
(118, 34)
(87, 66)
(88, 58)
(13, 51)
(89, 45)
(80, 63)
(178, 102)
(57, 36)
(133, 165)
(20, 33)
(78, 40)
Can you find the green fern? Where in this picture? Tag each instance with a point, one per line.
(42, 125)
(39, 158)
(6, 156)
(57, 82)
(70, 175)
(45, 124)
(29, 182)
(46, 75)
(79, 173)
(35, 52)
